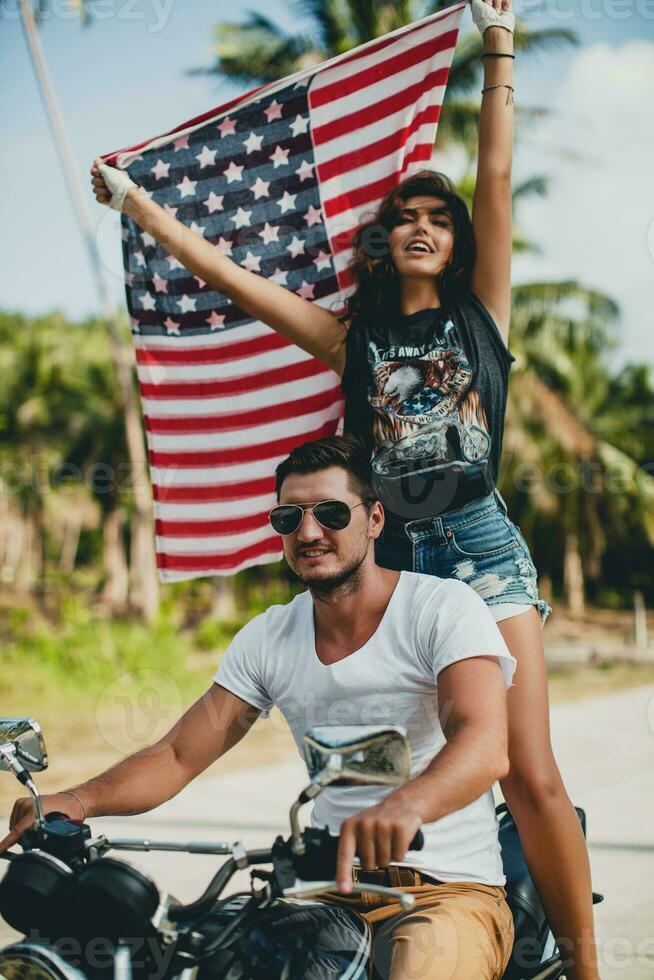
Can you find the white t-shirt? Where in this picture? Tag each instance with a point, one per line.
(428, 624)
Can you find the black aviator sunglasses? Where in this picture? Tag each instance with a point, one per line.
(334, 515)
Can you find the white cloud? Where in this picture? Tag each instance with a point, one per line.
(595, 223)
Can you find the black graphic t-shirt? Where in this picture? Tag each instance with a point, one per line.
(428, 392)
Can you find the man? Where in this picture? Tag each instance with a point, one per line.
(363, 645)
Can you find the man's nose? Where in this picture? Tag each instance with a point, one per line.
(309, 529)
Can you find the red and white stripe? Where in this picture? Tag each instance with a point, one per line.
(221, 411)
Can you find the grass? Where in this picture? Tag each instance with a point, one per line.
(576, 683)
(102, 689)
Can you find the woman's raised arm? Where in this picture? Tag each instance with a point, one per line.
(491, 209)
(312, 328)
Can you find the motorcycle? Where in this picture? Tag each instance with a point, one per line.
(87, 916)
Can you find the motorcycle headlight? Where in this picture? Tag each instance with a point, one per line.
(32, 961)
(35, 893)
(114, 899)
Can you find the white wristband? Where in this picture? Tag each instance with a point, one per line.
(484, 15)
(118, 183)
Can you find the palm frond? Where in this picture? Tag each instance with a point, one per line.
(541, 406)
(537, 185)
(549, 37)
(598, 304)
(259, 51)
(635, 481)
(525, 246)
(332, 23)
(466, 67)
(393, 14)
(459, 125)
(364, 17)
(564, 330)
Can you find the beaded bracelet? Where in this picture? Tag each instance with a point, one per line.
(509, 98)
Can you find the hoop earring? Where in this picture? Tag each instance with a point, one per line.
(379, 268)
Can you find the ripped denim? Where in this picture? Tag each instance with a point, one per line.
(477, 544)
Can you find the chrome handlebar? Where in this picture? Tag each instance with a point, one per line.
(304, 889)
(301, 889)
(135, 844)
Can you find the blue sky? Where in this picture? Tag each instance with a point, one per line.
(123, 79)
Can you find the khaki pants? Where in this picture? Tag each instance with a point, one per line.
(455, 931)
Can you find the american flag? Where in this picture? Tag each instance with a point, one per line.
(278, 179)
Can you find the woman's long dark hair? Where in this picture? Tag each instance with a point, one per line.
(377, 291)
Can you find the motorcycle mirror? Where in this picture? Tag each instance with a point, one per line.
(362, 754)
(345, 755)
(25, 737)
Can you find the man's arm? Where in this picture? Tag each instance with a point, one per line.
(144, 780)
(472, 711)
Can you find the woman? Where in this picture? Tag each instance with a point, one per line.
(422, 350)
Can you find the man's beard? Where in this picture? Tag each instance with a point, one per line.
(348, 580)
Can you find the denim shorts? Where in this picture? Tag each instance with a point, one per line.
(476, 543)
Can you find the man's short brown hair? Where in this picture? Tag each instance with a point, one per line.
(348, 452)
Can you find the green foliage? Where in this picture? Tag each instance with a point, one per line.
(571, 415)
(87, 651)
(212, 634)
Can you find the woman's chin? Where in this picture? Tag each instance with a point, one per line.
(417, 266)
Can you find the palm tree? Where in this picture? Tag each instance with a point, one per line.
(96, 447)
(39, 399)
(144, 578)
(41, 9)
(566, 424)
(63, 437)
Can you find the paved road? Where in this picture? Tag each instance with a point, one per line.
(605, 747)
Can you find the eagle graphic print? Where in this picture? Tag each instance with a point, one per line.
(426, 414)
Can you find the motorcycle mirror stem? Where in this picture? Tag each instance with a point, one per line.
(10, 756)
(329, 774)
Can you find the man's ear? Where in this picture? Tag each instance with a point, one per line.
(376, 519)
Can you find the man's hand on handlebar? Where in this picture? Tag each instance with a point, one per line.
(22, 815)
(380, 835)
